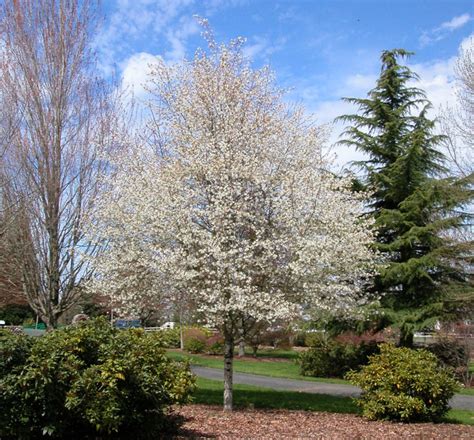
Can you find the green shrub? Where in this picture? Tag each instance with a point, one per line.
(404, 385)
(14, 350)
(171, 337)
(276, 337)
(299, 339)
(195, 340)
(313, 339)
(330, 358)
(15, 314)
(194, 345)
(215, 345)
(89, 380)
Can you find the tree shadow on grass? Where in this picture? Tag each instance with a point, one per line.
(271, 399)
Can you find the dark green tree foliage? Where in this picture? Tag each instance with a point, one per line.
(417, 212)
(16, 314)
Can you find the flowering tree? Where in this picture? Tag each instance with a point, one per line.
(238, 209)
(125, 230)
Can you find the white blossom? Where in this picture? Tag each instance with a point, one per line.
(237, 208)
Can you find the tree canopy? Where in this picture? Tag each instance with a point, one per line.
(415, 207)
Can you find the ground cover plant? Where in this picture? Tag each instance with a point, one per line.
(90, 380)
(404, 385)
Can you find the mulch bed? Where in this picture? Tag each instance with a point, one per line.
(202, 421)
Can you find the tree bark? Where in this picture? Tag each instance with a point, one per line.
(228, 361)
(241, 348)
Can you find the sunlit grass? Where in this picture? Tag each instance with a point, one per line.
(210, 392)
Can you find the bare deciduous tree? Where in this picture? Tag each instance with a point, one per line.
(458, 121)
(62, 116)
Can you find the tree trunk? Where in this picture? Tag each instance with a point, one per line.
(51, 321)
(228, 360)
(241, 348)
(181, 337)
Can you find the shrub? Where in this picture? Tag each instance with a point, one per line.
(194, 345)
(313, 339)
(454, 354)
(89, 380)
(215, 345)
(330, 358)
(404, 385)
(263, 334)
(14, 350)
(15, 314)
(171, 337)
(195, 340)
(299, 339)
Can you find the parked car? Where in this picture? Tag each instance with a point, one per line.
(123, 324)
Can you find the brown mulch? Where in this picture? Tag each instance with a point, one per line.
(202, 421)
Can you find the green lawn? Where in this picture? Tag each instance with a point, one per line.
(285, 370)
(210, 392)
(274, 353)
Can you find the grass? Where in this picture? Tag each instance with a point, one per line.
(285, 370)
(467, 391)
(276, 353)
(210, 392)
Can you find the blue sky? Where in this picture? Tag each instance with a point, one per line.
(321, 49)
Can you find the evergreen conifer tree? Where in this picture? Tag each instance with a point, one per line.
(428, 275)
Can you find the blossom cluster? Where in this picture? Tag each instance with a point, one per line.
(236, 205)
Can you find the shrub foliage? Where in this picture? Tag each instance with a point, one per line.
(90, 380)
(404, 385)
(330, 358)
(453, 353)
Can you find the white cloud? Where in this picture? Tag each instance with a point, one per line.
(361, 82)
(177, 37)
(262, 47)
(136, 71)
(325, 112)
(130, 21)
(437, 79)
(442, 31)
(456, 22)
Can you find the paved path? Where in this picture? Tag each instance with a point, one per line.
(459, 401)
